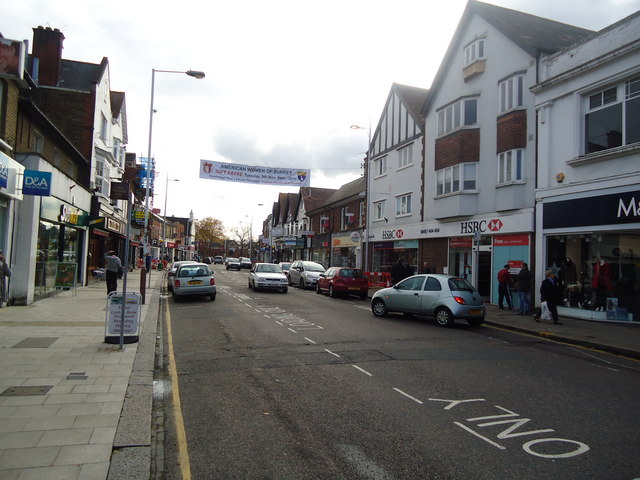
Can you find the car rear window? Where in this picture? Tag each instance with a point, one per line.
(351, 273)
(460, 284)
(194, 272)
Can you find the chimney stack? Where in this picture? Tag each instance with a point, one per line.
(47, 48)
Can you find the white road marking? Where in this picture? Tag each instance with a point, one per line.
(334, 354)
(279, 323)
(267, 316)
(309, 340)
(407, 395)
(490, 442)
(292, 330)
(362, 370)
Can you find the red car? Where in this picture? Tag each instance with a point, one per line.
(343, 281)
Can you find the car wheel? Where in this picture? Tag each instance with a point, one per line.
(249, 283)
(227, 267)
(176, 298)
(255, 289)
(302, 283)
(444, 317)
(332, 292)
(212, 297)
(475, 322)
(378, 308)
(289, 281)
(318, 290)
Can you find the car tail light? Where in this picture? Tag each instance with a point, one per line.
(212, 281)
(177, 283)
(460, 300)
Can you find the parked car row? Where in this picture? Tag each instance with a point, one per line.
(444, 297)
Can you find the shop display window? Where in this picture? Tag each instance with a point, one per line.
(598, 272)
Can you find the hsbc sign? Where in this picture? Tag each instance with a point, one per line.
(392, 234)
(481, 226)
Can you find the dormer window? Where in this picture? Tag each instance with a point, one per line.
(474, 52)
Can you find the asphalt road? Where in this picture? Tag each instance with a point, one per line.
(302, 386)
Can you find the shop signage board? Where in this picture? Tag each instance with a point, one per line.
(36, 183)
(114, 327)
(66, 275)
(485, 225)
(614, 209)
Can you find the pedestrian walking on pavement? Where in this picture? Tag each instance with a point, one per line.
(504, 281)
(523, 283)
(398, 271)
(5, 273)
(551, 292)
(113, 268)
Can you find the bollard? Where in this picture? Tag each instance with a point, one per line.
(143, 283)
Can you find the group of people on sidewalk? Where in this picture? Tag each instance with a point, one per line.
(550, 291)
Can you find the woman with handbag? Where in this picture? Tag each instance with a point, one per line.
(113, 268)
(551, 293)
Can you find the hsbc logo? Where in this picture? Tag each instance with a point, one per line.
(392, 234)
(481, 226)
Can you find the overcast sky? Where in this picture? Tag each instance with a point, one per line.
(284, 79)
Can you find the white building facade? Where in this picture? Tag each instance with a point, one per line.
(588, 196)
(480, 154)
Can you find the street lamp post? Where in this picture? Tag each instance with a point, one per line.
(192, 73)
(367, 210)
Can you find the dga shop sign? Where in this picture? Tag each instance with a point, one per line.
(36, 183)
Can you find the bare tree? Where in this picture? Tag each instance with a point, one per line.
(241, 236)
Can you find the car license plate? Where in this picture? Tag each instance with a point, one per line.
(195, 282)
(475, 311)
(354, 288)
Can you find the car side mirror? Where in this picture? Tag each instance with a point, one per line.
(172, 274)
(322, 275)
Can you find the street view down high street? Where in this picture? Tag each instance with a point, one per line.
(335, 240)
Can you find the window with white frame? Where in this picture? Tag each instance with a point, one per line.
(511, 93)
(405, 157)
(380, 166)
(462, 113)
(459, 178)
(474, 51)
(324, 224)
(37, 142)
(102, 177)
(612, 117)
(510, 166)
(361, 215)
(379, 210)
(403, 205)
(103, 127)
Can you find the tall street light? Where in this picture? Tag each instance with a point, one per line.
(367, 170)
(192, 73)
(164, 220)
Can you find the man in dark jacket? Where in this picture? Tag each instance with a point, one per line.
(551, 293)
(523, 282)
(398, 271)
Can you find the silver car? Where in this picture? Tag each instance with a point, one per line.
(194, 279)
(305, 274)
(441, 296)
(171, 275)
(268, 276)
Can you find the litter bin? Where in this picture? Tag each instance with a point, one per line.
(160, 266)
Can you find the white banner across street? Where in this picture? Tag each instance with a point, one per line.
(235, 172)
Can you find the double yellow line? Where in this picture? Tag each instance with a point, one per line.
(183, 450)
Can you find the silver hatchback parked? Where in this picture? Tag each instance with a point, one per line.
(441, 296)
(194, 279)
(305, 274)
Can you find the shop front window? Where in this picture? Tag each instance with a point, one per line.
(56, 244)
(598, 272)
